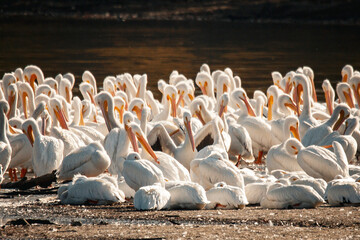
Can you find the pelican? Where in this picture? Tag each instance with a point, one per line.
(88, 77)
(185, 152)
(32, 73)
(47, 151)
(279, 196)
(344, 193)
(93, 190)
(345, 94)
(319, 162)
(140, 172)
(329, 96)
(347, 72)
(214, 169)
(90, 160)
(226, 197)
(316, 134)
(186, 195)
(153, 197)
(5, 147)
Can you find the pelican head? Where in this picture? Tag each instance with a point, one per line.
(347, 72)
(224, 101)
(109, 85)
(277, 77)
(171, 96)
(89, 78)
(106, 103)
(56, 107)
(32, 73)
(196, 107)
(203, 80)
(133, 156)
(342, 112)
(345, 94)
(136, 105)
(187, 123)
(293, 146)
(329, 95)
(28, 127)
(144, 143)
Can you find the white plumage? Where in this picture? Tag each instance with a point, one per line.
(226, 197)
(153, 197)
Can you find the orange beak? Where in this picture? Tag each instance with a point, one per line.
(180, 100)
(11, 101)
(295, 131)
(137, 110)
(270, 107)
(250, 109)
(173, 105)
(104, 109)
(288, 86)
(222, 109)
(198, 114)
(191, 136)
(203, 88)
(341, 119)
(147, 147)
(349, 98)
(60, 117)
(81, 123)
(29, 133)
(345, 77)
(67, 95)
(132, 138)
(91, 97)
(24, 96)
(329, 103)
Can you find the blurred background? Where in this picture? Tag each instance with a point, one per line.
(253, 38)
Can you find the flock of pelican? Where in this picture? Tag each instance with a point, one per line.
(220, 149)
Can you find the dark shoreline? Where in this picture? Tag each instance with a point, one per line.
(273, 11)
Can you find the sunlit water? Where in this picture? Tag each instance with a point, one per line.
(105, 48)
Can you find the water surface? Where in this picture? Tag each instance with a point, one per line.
(105, 47)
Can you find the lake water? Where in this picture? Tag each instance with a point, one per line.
(106, 47)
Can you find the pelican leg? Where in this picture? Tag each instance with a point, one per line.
(11, 174)
(23, 172)
(237, 164)
(15, 175)
(258, 160)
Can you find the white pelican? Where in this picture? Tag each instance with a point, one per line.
(185, 152)
(306, 120)
(169, 111)
(170, 167)
(94, 190)
(329, 96)
(315, 135)
(5, 147)
(241, 144)
(278, 80)
(347, 72)
(214, 169)
(318, 184)
(319, 162)
(32, 73)
(310, 74)
(226, 197)
(89, 78)
(256, 191)
(27, 99)
(186, 195)
(347, 141)
(295, 196)
(206, 83)
(65, 89)
(140, 172)
(153, 197)
(90, 160)
(345, 94)
(47, 151)
(344, 193)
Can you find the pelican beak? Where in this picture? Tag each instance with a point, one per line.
(191, 97)
(174, 132)
(198, 114)
(329, 102)
(291, 105)
(327, 146)
(341, 119)
(203, 88)
(11, 101)
(288, 86)
(224, 88)
(12, 130)
(104, 109)
(32, 81)
(137, 110)
(29, 133)
(67, 95)
(132, 138)
(173, 105)
(344, 78)
(191, 136)
(349, 98)
(297, 93)
(60, 117)
(138, 91)
(180, 100)
(43, 125)
(24, 95)
(91, 97)
(250, 109)
(121, 113)
(296, 150)
(357, 93)
(270, 107)
(278, 85)
(295, 131)
(147, 147)
(222, 109)
(81, 123)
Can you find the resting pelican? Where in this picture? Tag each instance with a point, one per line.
(140, 172)
(90, 160)
(214, 169)
(47, 151)
(344, 193)
(5, 147)
(319, 162)
(94, 190)
(185, 152)
(256, 191)
(226, 197)
(294, 196)
(186, 195)
(153, 197)
(316, 134)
